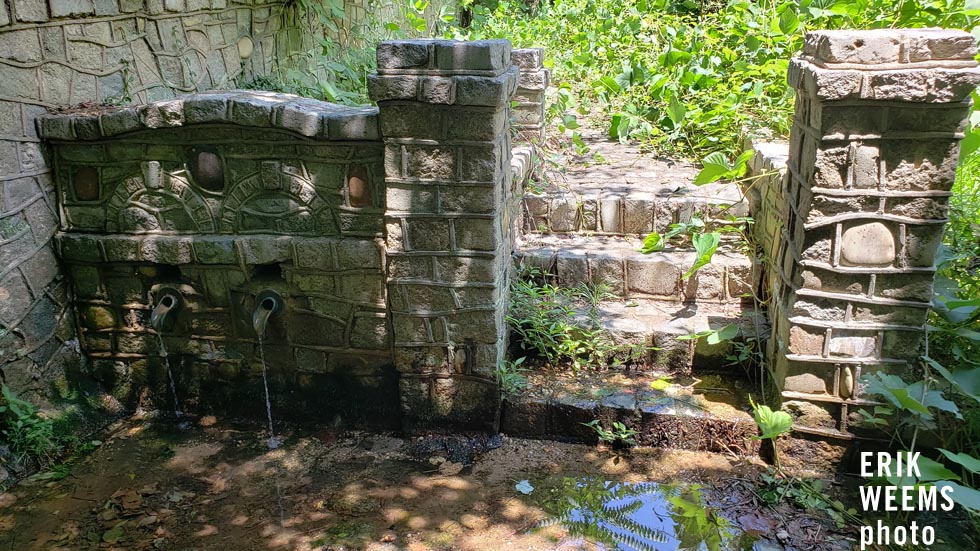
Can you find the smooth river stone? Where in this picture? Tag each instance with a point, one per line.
(868, 245)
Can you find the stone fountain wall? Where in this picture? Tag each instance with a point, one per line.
(221, 196)
(65, 52)
(387, 230)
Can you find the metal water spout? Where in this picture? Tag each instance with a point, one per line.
(168, 304)
(268, 302)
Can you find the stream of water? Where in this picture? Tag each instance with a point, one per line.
(272, 442)
(170, 375)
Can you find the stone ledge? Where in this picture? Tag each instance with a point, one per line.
(304, 116)
(890, 46)
(529, 59)
(934, 84)
(215, 249)
(445, 57)
(464, 89)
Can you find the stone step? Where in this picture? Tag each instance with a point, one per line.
(631, 193)
(707, 413)
(654, 334)
(574, 259)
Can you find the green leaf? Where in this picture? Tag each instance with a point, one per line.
(652, 243)
(968, 462)
(789, 22)
(742, 163)
(934, 399)
(965, 496)
(610, 84)
(930, 471)
(966, 381)
(705, 244)
(710, 173)
(676, 111)
(771, 423)
(726, 333)
(902, 398)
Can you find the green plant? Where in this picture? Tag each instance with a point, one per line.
(31, 436)
(772, 425)
(511, 378)
(619, 434)
(704, 237)
(805, 494)
(684, 79)
(548, 324)
(933, 406)
(716, 166)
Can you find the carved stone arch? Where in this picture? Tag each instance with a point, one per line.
(277, 199)
(156, 201)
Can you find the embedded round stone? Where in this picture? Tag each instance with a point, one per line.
(245, 47)
(206, 169)
(358, 189)
(868, 245)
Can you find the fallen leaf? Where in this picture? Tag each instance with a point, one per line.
(7, 522)
(128, 499)
(756, 525)
(437, 460)
(147, 520)
(450, 469)
(115, 534)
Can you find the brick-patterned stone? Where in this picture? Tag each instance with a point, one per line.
(855, 229)
(432, 95)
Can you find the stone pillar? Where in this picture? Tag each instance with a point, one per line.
(873, 153)
(531, 86)
(444, 117)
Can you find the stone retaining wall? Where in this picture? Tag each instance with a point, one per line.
(56, 53)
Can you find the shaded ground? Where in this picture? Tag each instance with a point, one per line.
(152, 486)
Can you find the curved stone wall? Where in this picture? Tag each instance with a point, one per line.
(66, 52)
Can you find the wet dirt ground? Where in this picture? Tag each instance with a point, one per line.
(151, 485)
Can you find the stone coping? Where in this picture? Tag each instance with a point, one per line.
(876, 47)
(308, 117)
(253, 249)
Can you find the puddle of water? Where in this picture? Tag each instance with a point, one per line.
(639, 517)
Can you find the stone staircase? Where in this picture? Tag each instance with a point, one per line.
(587, 225)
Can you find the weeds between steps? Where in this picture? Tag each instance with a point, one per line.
(550, 329)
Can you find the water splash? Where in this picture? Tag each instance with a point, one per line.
(272, 442)
(170, 376)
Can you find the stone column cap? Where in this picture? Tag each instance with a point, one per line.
(881, 49)
(444, 57)
(911, 85)
(905, 65)
(528, 59)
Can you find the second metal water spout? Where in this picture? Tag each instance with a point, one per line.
(269, 302)
(166, 305)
